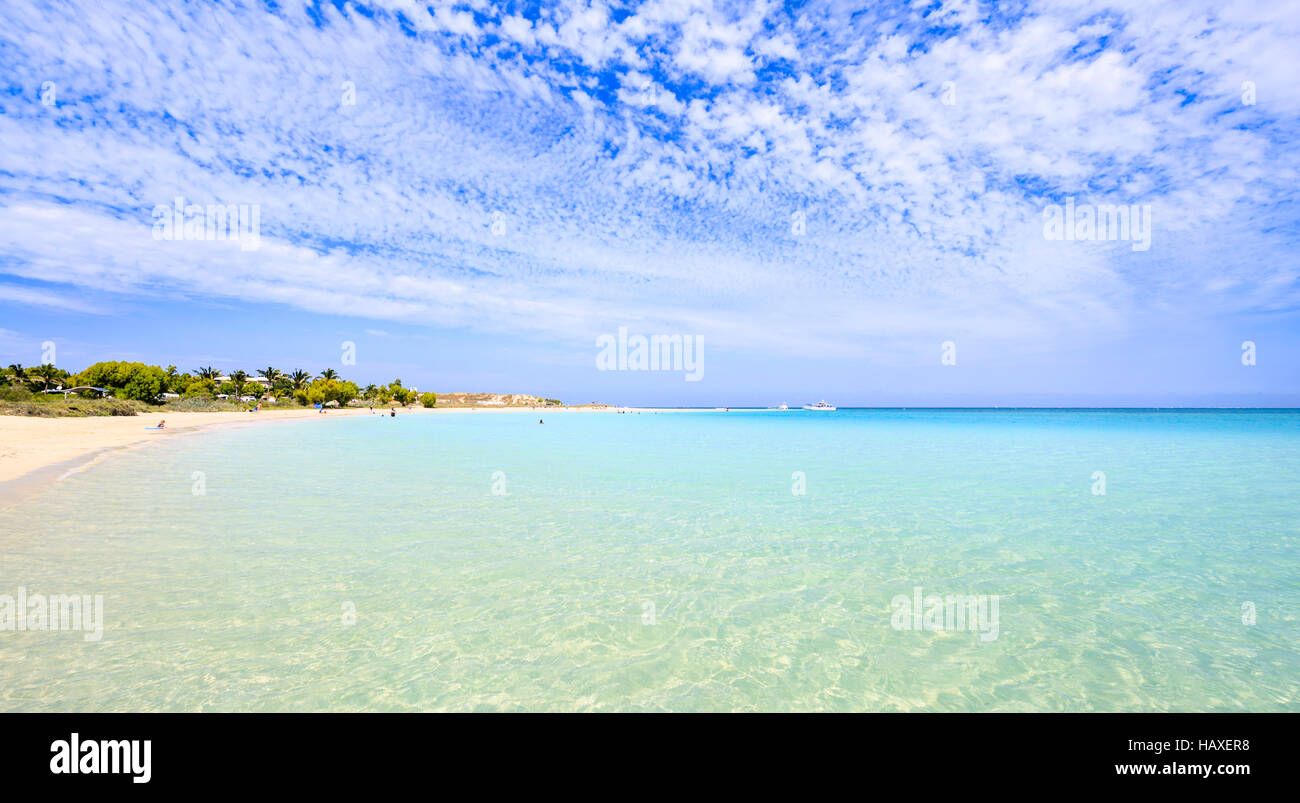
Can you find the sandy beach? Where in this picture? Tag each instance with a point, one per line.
(29, 444)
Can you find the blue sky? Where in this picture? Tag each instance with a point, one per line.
(823, 194)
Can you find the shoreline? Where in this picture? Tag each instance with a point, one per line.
(35, 451)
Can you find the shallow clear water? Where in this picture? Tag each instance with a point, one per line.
(763, 598)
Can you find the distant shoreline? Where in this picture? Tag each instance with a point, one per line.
(31, 446)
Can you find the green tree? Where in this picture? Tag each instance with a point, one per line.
(429, 399)
(126, 380)
(44, 375)
(327, 390)
(300, 379)
(275, 381)
(176, 382)
(329, 374)
(201, 387)
(397, 393)
(207, 373)
(238, 378)
(145, 386)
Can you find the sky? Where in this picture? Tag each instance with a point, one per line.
(829, 201)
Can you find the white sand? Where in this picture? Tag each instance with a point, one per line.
(29, 443)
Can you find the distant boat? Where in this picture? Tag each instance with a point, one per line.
(784, 407)
(820, 406)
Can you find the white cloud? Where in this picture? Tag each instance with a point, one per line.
(523, 186)
(44, 298)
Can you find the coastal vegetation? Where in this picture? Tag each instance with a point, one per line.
(126, 388)
(20, 401)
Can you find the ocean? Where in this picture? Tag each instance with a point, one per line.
(861, 560)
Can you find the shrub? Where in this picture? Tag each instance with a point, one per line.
(428, 399)
(327, 390)
(72, 407)
(126, 380)
(16, 393)
(201, 388)
(201, 404)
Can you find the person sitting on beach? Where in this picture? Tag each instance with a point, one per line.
(162, 423)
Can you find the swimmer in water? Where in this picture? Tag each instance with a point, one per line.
(540, 421)
(392, 413)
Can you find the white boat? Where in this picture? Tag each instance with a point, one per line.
(820, 406)
(784, 407)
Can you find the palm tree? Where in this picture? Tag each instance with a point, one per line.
(300, 379)
(238, 378)
(45, 374)
(328, 374)
(17, 372)
(207, 373)
(271, 374)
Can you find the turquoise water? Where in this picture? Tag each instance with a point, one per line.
(241, 597)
